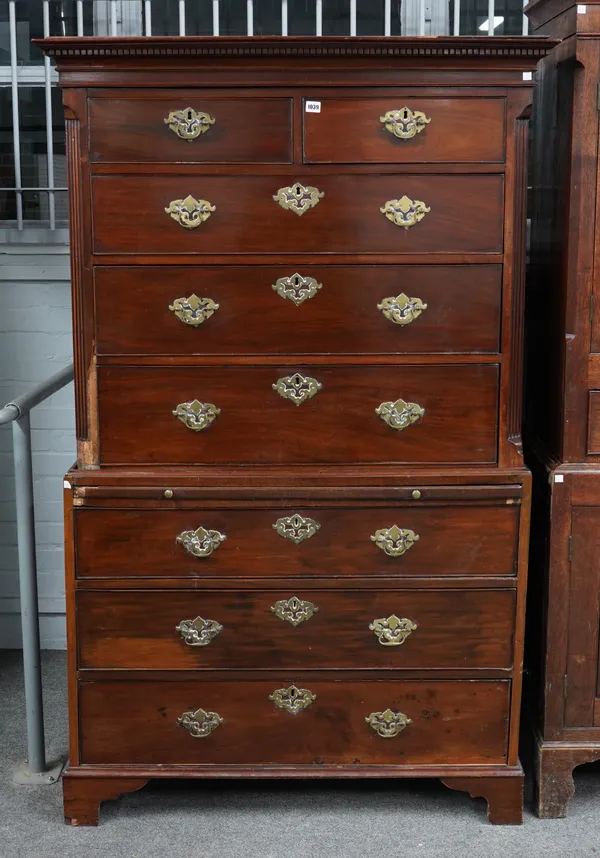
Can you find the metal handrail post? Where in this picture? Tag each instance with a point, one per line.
(17, 413)
(30, 626)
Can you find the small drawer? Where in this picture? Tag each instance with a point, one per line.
(180, 128)
(297, 415)
(404, 129)
(153, 539)
(359, 309)
(235, 215)
(247, 722)
(303, 628)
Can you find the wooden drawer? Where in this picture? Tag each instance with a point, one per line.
(338, 424)
(341, 317)
(466, 214)
(249, 130)
(139, 541)
(135, 721)
(324, 629)
(460, 130)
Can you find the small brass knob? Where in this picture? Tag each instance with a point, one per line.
(416, 494)
(168, 494)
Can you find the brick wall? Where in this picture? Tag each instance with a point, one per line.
(35, 342)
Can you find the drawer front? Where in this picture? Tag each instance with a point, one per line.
(450, 414)
(308, 629)
(334, 310)
(452, 540)
(222, 130)
(136, 721)
(415, 130)
(466, 214)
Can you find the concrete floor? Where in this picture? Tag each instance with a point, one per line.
(391, 819)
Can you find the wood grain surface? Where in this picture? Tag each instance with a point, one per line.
(133, 316)
(349, 130)
(346, 220)
(338, 424)
(137, 629)
(136, 722)
(141, 542)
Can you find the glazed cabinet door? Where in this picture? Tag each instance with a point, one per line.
(582, 706)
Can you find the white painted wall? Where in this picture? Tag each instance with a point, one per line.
(35, 342)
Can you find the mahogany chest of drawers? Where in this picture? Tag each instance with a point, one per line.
(563, 396)
(298, 525)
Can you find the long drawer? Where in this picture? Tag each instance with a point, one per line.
(172, 539)
(358, 309)
(307, 629)
(238, 214)
(435, 414)
(144, 721)
(190, 128)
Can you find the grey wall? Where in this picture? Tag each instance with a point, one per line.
(35, 342)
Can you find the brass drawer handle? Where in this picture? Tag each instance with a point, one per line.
(296, 528)
(196, 415)
(292, 699)
(401, 310)
(189, 123)
(395, 541)
(405, 212)
(200, 723)
(387, 724)
(399, 414)
(294, 610)
(404, 123)
(297, 388)
(392, 631)
(193, 310)
(190, 212)
(200, 542)
(297, 198)
(297, 288)
(198, 632)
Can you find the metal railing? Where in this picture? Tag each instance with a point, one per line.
(17, 412)
(35, 194)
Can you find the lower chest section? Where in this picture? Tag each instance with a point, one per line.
(371, 626)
